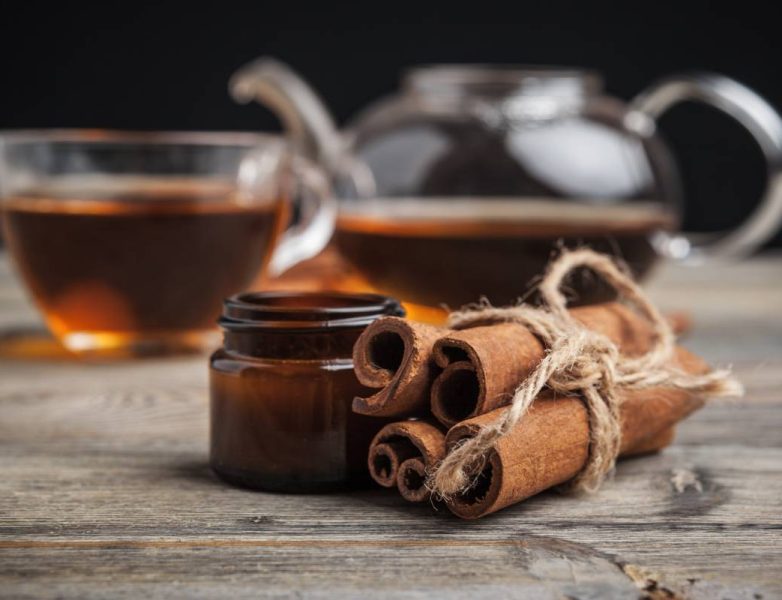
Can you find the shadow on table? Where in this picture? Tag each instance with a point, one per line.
(365, 493)
(195, 471)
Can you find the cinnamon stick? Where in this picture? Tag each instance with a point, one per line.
(680, 322)
(653, 444)
(483, 365)
(550, 445)
(395, 355)
(401, 453)
(411, 480)
(386, 457)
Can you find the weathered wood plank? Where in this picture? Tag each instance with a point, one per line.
(95, 468)
(320, 571)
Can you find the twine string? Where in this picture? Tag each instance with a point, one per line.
(580, 362)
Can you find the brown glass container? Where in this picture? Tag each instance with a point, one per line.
(282, 386)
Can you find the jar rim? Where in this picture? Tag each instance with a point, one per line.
(291, 310)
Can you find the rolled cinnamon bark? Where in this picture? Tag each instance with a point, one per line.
(396, 355)
(411, 480)
(680, 322)
(385, 459)
(401, 453)
(483, 365)
(550, 445)
(652, 444)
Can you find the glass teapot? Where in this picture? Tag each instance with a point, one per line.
(465, 183)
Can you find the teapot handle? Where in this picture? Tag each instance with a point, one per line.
(305, 116)
(758, 117)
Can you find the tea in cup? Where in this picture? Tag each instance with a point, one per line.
(129, 242)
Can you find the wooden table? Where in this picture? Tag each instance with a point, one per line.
(105, 490)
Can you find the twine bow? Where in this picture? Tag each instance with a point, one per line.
(578, 362)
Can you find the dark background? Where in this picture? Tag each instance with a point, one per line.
(144, 65)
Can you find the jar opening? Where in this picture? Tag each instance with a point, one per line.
(305, 310)
(502, 80)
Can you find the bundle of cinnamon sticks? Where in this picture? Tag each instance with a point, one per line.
(444, 385)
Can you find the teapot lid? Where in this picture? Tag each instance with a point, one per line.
(502, 80)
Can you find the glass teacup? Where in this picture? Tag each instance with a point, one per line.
(128, 242)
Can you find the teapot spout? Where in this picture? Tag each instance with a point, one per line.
(304, 115)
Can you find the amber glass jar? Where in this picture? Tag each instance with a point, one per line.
(282, 386)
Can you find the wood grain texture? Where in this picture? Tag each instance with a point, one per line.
(104, 490)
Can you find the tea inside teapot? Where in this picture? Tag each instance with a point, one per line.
(449, 251)
(479, 175)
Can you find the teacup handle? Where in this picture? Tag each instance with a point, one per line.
(758, 117)
(317, 216)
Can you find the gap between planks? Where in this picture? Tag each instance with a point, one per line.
(195, 543)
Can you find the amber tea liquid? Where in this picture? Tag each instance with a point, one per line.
(452, 252)
(136, 262)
